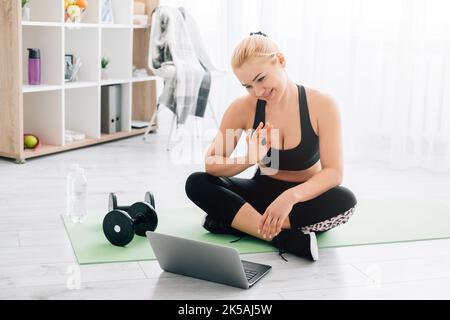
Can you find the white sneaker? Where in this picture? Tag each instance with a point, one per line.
(314, 247)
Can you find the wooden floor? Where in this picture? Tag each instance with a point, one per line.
(37, 261)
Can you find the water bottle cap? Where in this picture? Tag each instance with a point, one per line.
(34, 53)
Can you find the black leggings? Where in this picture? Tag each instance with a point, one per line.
(222, 197)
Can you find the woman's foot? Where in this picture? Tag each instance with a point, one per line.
(295, 241)
(217, 226)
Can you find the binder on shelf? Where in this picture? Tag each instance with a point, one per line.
(111, 104)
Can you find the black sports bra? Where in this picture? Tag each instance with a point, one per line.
(305, 154)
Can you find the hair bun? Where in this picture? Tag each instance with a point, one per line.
(259, 33)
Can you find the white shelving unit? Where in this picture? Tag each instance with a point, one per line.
(47, 110)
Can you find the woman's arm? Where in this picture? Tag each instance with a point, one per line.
(330, 141)
(217, 158)
(226, 167)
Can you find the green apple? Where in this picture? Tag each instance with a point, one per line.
(73, 11)
(30, 141)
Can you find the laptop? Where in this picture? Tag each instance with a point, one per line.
(205, 261)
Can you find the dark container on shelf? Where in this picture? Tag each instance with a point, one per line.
(111, 101)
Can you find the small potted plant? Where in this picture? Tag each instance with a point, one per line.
(25, 10)
(104, 63)
(74, 9)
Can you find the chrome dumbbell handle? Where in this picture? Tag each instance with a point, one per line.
(150, 199)
(112, 204)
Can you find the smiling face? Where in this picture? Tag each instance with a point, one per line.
(264, 77)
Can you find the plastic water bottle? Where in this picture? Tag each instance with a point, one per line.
(79, 197)
(69, 183)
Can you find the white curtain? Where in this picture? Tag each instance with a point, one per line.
(386, 63)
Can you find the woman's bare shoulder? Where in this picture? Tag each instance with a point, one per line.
(319, 102)
(240, 111)
(322, 107)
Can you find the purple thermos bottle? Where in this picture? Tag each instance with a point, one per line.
(34, 66)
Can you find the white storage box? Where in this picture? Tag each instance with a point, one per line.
(71, 136)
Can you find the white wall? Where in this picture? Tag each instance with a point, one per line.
(387, 64)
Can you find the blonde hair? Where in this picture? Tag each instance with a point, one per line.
(256, 45)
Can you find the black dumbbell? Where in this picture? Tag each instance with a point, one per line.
(122, 222)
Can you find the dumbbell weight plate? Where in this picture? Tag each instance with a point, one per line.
(118, 228)
(145, 216)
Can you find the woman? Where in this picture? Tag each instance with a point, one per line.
(294, 136)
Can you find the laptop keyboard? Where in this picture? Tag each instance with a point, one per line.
(250, 274)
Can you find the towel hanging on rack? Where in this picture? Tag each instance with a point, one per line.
(174, 57)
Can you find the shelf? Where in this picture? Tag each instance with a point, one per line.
(43, 116)
(42, 24)
(41, 150)
(50, 149)
(108, 82)
(71, 25)
(143, 79)
(116, 26)
(80, 143)
(80, 84)
(82, 111)
(83, 43)
(117, 47)
(49, 109)
(49, 40)
(107, 137)
(136, 26)
(26, 88)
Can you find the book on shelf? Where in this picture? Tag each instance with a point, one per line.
(135, 124)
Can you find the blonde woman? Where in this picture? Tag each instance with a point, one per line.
(294, 137)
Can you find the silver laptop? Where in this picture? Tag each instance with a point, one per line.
(205, 261)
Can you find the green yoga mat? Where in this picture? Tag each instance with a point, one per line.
(374, 221)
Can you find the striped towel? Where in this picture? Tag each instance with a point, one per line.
(173, 57)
